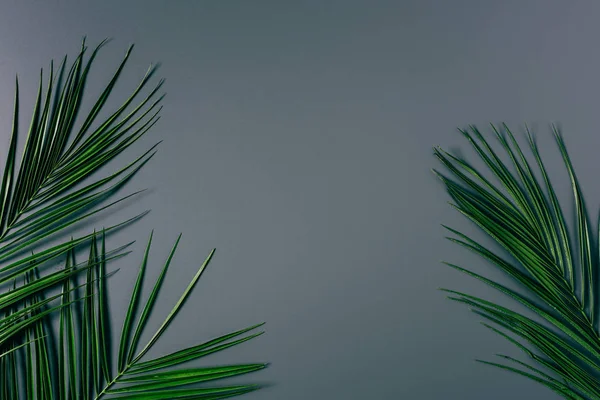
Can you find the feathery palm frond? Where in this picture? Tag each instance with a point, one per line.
(557, 272)
(41, 198)
(54, 160)
(79, 363)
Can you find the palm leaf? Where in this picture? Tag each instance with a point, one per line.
(82, 365)
(50, 191)
(558, 279)
(38, 201)
(134, 378)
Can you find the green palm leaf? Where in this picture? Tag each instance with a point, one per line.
(37, 201)
(51, 190)
(556, 272)
(82, 367)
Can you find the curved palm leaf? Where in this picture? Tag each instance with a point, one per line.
(43, 196)
(78, 364)
(49, 168)
(84, 366)
(557, 273)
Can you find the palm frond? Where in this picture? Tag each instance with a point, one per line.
(36, 200)
(45, 194)
(49, 191)
(84, 363)
(556, 272)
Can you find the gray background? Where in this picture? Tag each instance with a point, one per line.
(297, 140)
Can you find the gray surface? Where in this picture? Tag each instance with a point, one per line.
(298, 142)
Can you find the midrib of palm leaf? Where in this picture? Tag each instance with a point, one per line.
(529, 224)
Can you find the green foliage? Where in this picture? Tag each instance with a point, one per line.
(557, 272)
(55, 332)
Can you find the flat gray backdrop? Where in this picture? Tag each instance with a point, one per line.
(297, 141)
